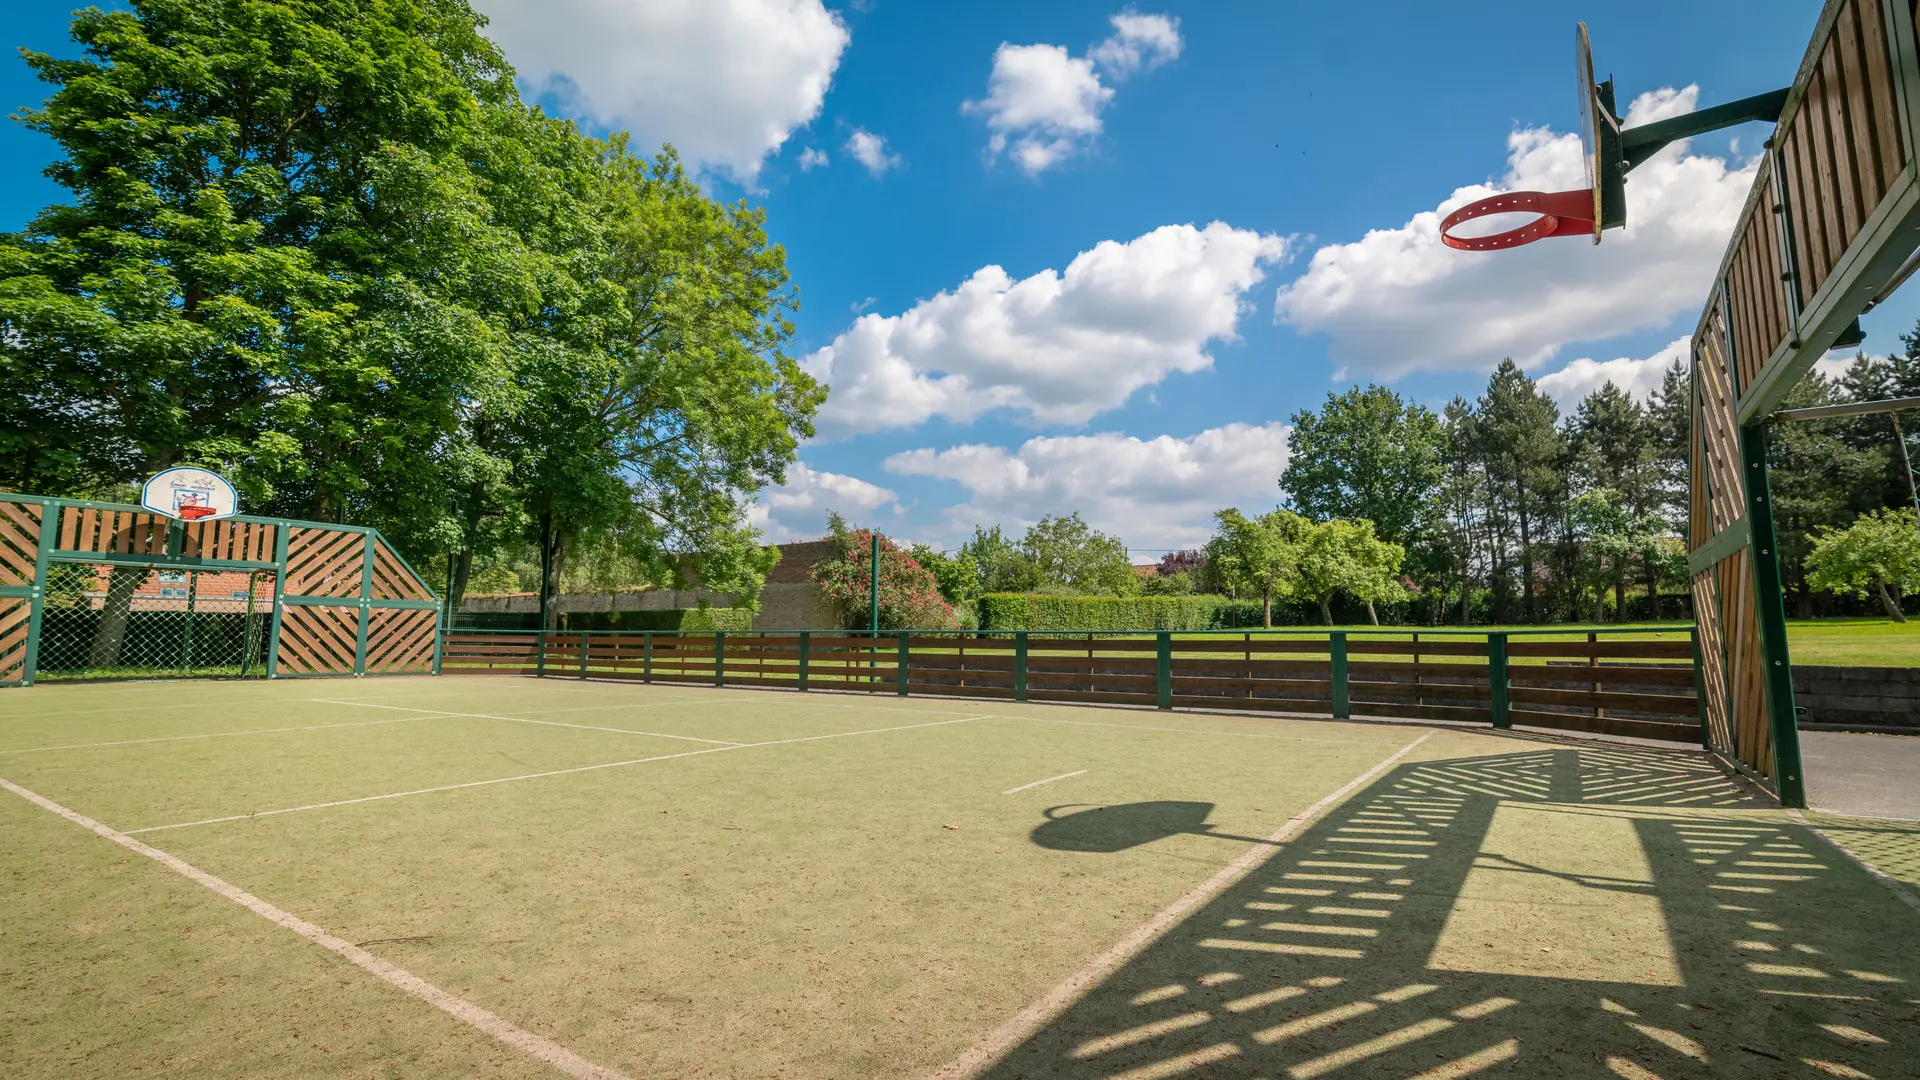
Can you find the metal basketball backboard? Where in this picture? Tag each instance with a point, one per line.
(189, 494)
(1599, 140)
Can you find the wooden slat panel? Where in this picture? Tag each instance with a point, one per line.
(1621, 675)
(319, 640)
(324, 562)
(1876, 62)
(1608, 725)
(1726, 491)
(15, 615)
(19, 542)
(1804, 206)
(400, 640)
(1632, 650)
(1846, 179)
(1706, 606)
(1591, 700)
(391, 580)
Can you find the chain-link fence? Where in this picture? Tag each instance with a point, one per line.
(116, 620)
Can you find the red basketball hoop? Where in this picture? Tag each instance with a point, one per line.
(192, 512)
(1562, 213)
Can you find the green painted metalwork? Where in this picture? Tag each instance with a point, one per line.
(1020, 665)
(583, 654)
(365, 616)
(1724, 543)
(1163, 668)
(1337, 656)
(1497, 680)
(873, 587)
(279, 600)
(646, 654)
(719, 657)
(806, 645)
(900, 666)
(49, 534)
(540, 653)
(1770, 611)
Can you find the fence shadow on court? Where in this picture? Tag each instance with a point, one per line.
(1553, 912)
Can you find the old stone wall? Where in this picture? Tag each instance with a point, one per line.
(1861, 697)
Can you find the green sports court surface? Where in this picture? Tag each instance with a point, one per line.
(506, 877)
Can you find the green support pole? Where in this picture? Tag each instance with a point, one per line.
(1700, 687)
(1497, 680)
(805, 645)
(186, 639)
(1163, 668)
(646, 656)
(1020, 666)
(280, 532)
(1770, 611)
(583, 654)
(873, 589)
(1337, 662)
(540, 653)
(50, 511)
(719, 658)
(900, 667)
(366, 611)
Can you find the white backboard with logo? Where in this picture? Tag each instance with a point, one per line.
(190, 494)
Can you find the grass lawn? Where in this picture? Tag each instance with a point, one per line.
(506, 877)
(1855, 642)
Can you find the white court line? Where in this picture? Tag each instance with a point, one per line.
(1031, 1019)
(222, 734)
(546, 723)
(1048, 780)
(1892, 884)
(539, 775)
(459, 1008)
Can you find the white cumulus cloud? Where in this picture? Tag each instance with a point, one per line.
(798, 509)
(1638, 376)
(725, 81)
(1043, 104)
(1397, 301)
(812, 158)
(1153, 493)
(1061, 348)
(871, 151)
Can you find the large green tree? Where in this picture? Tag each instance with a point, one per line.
(1366, 454)
(1256, 556)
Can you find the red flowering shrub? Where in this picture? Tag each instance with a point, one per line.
(909, 597)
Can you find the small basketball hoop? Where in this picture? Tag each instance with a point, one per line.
(194, 513)
(1562, 213)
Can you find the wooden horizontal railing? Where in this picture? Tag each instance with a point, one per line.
(1640, 683)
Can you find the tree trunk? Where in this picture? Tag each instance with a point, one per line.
(1620, 598)
(1371, 616)
(1526, 565)
(1893, 607)
(1266, 610)
(462, 571)
(1326, 609)
(111, 632)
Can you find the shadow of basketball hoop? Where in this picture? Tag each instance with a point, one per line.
(1110, 829)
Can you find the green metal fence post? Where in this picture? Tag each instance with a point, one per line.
(1770, 612)
(1700, 687)
(805, 645)
(1163, 668)
(50, 511)
(646, 656)
(280, 536)
(719, 658)
(583, 654)
(540, 653)
(366, 609)
(900, 667)
(1497, 680)
(1020, 666)
(186, 639)
(1341, 694)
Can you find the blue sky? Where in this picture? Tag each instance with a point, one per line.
(1248, 188)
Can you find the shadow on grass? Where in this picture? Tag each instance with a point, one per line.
(1108, 829)
(1560, 912)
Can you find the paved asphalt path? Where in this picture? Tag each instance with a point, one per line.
(1860, 774)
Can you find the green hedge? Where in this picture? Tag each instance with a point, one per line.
(1026, 611)
(687, 620)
